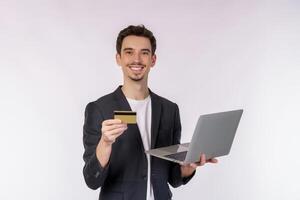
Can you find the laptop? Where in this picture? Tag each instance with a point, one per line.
(213, 136)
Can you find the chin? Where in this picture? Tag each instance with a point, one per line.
(137, 79)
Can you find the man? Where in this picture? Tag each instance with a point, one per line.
(114, 151)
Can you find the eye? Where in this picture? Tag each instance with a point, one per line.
(145, 53)
(128, 52)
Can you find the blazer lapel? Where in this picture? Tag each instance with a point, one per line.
(123, 105)
(156, 111)
(121, 100)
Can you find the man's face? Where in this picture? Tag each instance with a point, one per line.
(136, 57)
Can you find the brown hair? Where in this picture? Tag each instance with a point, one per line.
(139, 30)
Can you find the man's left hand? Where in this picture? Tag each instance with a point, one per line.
(188, 169)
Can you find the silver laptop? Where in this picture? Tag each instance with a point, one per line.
(213, 136)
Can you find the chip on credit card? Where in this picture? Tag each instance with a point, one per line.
(128, 117)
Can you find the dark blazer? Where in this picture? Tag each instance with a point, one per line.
(125, 176)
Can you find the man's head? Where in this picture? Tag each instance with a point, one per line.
(137, 31)
(136, 47)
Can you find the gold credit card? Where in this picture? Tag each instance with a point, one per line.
(128, 117)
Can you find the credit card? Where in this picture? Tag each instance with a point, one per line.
(128, 117)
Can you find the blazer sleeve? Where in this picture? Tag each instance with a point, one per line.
(94, 174)
(175, 178)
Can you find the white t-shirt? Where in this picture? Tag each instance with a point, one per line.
(143, 111)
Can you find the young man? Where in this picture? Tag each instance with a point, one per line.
(114, 151)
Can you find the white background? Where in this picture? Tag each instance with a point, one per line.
(58, 55)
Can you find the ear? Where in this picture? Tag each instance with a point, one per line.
(153, 60)
(118, 59)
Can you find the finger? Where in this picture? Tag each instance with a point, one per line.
(114, 137)
(202, 159)
(213, 160)
(110, 139)
(115, 131)
(193, 165)
(111, 122)
(112, 127)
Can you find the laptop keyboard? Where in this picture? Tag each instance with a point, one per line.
(178, 156)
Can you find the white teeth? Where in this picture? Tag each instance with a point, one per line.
(136, 68)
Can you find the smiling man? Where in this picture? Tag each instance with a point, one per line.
(114, 156)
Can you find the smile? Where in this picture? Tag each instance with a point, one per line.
(136, 67)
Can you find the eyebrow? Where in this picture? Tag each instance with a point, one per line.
(146, 50)
(127, 49)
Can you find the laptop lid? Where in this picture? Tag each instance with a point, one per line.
(213, 135)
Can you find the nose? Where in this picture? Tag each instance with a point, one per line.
(137, 58)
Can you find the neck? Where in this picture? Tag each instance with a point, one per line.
(135, 91)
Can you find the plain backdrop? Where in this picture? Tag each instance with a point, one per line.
(214, 55)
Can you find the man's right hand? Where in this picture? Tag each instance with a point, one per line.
(111, 130)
